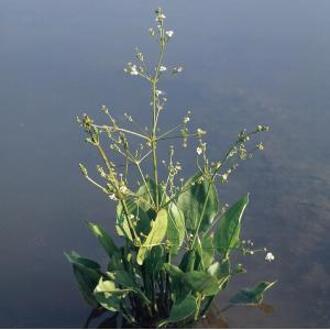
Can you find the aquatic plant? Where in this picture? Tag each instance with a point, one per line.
(177, 237)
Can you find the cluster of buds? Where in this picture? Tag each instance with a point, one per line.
(160, 17)
(133, 69)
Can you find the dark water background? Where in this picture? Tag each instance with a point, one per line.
(246, 62)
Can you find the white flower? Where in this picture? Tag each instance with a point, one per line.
(260, 146)
(134, 71)
(160, 17)
(169, 33)
(224, 177)
(159, 92)
(113, 197)
(199, 150)
(162, 68)
(269, 257)
(186, 120)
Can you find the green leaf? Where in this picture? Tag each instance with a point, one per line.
(183, 310)
(173, 270)
(175, 228)
(222, 271)
(116, 262)
(125, 280)
(149, 192)
(155, 237)
(192, 201)
(87, 273)
(202, 283)
(141, 215)
(227, 236)
(252, 296)
(206, 250)
(108, 295)
(105, 240)
(179, 288)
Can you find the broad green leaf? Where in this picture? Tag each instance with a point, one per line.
(252, 296)
(116, 263)
(227, 236)
(192, 201)
(155, 237)
(179, 288)
(181, 311)
(122, 278)
(221, 271)
(125, 280)
(105, 240)
(206, 250)
(175, 228)
(108, 301)
(108, 295)
(142, 217)
(87, 273)
(173, 270)
(202, 283)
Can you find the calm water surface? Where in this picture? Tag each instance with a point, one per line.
(246, 62)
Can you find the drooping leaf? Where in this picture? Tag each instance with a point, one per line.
(227, 236)
(206, 250)
(181, 311)
(252, 296)
(192, 202)
(175, 228)
(105, 240)
(202, 282)
(155, 236)
(87, 273)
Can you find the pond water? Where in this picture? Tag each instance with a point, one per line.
(246, 62)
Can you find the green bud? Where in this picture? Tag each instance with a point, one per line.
(83, 169)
